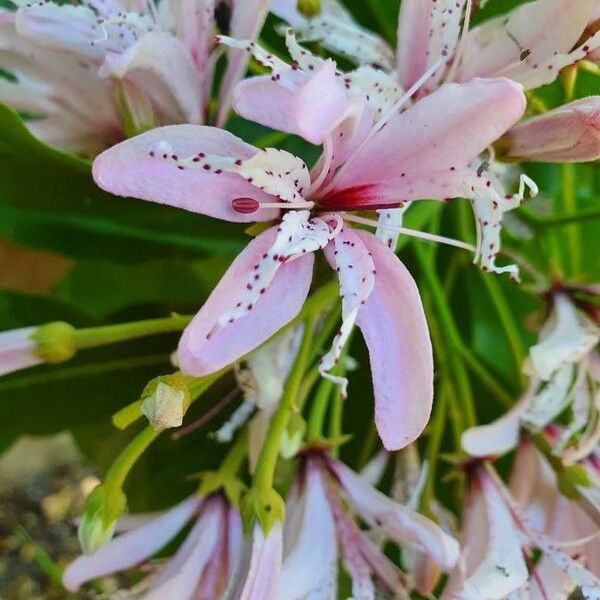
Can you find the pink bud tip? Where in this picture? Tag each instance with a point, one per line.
(245, 205)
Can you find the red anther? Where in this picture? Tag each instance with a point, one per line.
(245, 205)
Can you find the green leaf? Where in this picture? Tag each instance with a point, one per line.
(102, 288)
(49, 199)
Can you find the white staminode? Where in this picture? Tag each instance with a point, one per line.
(356, 273)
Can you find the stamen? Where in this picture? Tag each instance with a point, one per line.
(423, 235)
(249, 205)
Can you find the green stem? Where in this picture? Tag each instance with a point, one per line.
(92, 337)
(486, 378)
(569, 206)
(335, 419)
(434, 441)
(451, 336)
(318, 410)
(116, 475)
(368, 447)
(381, 14)
(507, 320)
(235, 457)
(267, 460)
(327, 328)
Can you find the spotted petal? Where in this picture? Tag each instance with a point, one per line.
(287, 102)
(444, 131)
(393, 324)
(427, 31)
(211, 342)
(352, 261)
(347, 39)
(149, 166)
(530, 44)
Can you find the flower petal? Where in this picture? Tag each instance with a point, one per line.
(566, 337)
(259, 575)
(348, 39)
(310, 569)
(246, 21)
(570, 133)
(500, 436)
(180, 576)
(161, 65)
(427, 30)
(208, 344)
(530, 44)
(502, 569)
(393, 324)
(17, 350)
(131, 548)
(399, 523)
(289, 101)
(444, 131)
(144, 167)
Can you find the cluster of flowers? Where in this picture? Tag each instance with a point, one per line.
(431, 120)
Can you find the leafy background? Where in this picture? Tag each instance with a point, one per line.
(123, 259)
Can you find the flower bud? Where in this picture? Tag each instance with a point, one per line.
(291, 438)
(165, 401)
(309, 8)
(55, 342)
(102, 509)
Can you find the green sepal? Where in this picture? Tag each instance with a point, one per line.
(309, 8)
(214, 481)
(266, 507)
(55, 342)
(102, 509)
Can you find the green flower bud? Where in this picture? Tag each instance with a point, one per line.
(55, 342)
(165, 400)
(291, 438)
(103, 507)
(309, 8)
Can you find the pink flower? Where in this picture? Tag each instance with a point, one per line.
(202, 567)
(564, 370)
(103, 70)
(530, 44)
(498, 537)
(18, 350)
(423, 152)
(259, 572)
(318, 511)
(534, 486)
(570, 133)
